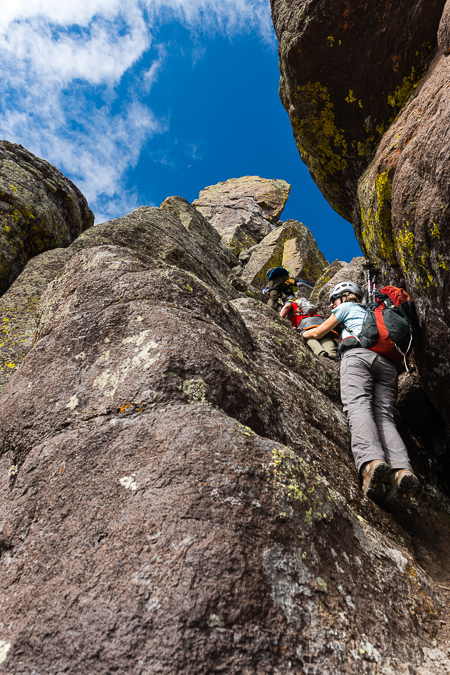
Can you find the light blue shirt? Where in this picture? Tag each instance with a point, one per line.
(352, 314)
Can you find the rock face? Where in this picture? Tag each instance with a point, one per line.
(291, 245)
(176, 489)
(378, 146)
(421, 420)
(404, 223)
(243, 210)
(208, 237)
(145, 228)
(40, 209)
(444, 31)
(332, 275)
(347, 68)
(19, 309)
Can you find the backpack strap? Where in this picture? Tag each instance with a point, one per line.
(297, 312)
(343, 347)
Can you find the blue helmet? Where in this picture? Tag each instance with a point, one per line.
(277, 272)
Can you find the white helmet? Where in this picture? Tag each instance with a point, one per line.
(345, 287)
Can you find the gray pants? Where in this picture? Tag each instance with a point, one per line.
(368, 393)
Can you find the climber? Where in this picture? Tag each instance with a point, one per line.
(368, 393)
(303, 315)
(280, 283)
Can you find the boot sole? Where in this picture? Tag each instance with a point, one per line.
(376, 487)
(409, 487)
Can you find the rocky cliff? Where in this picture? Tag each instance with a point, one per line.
(347, 68)
(177, 493)
(40, 209)
(366, 87)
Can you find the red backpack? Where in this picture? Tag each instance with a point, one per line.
(389, 323)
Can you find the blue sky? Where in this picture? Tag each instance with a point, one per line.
(141, 100)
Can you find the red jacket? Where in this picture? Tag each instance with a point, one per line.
(295, 316)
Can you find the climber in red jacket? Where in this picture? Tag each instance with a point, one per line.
(303, 315)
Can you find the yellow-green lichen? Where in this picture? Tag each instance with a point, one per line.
(351, 98)
(322, 583)
(434, 231)
(417, 263)
(441, 263)
(319, 130)
(407, 242)
(195, 390)
(299, 492)
(364, 147)
(234, 349)
(403, 91)
(332, 40)
(375, 203)
(398, 98)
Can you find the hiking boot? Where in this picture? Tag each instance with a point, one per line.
(404, 485)
(375, 476)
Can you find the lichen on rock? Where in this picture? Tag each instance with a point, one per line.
(178, 458)
(403, 227)
(40, 209)
(338, 114)
(290, 245)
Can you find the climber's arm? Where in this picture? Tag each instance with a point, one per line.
(323, 329)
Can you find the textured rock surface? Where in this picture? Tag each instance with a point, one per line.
(424, 428)
(177, 493)
(340, 116)
(207, 235)
(444, 30)
(405, 216)
(246, 289)
(301, 256)
(176, 488)
(290, 245)
(332, 275)
(347, 68)
(243, 210)
(147, 231)
(40, 209)
(18, 309)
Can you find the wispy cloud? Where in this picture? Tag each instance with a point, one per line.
(63, 62)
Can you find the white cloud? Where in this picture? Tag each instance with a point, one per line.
(100, 53)
(62, 62)
(58, 12)
(227, 16)
(151, 75)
